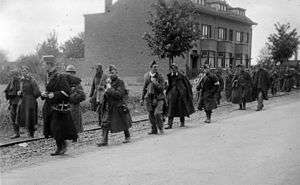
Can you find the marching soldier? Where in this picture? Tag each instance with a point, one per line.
(179, 97)
(153, 94)
(28, 105)
(228, 84)
(241, 88)
(57, 96)
(97, 90)
(261, 83)
(77, 96)
(115, 113)
(11, 95)
(208, 87)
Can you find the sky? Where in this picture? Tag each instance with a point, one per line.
(25, 23)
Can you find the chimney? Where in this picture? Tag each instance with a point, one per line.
(108, 6)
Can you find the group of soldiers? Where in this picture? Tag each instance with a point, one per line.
(108, 97)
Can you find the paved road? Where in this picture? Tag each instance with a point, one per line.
(260, 148)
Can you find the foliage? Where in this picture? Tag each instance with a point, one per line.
(265, 57)
(49, 46)
(172, 28)
(74, 47)
(283, 43)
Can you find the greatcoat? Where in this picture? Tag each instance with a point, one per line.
(208, 87)
(115, 113)
(179, 96)
(62, 125)
(241, 88)
(27, 112)
(261, 83)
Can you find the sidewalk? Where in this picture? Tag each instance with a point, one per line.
(253, 149)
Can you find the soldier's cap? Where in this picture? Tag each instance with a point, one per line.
(48, 59)
(70, 68)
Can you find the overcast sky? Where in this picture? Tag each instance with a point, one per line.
(25, 23)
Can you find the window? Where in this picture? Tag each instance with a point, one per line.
(239, 36)
(231, 35)
(238, 59)
(222, 33)
(247, 38)
(206, 31)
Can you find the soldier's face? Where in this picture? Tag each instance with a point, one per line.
(154, 68)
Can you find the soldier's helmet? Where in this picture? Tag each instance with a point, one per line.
(71, 68)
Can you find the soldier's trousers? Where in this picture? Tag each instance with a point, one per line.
(156, 116)
(13, 117)
(260, 101)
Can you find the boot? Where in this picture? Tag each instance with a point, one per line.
(182, 124)
(244, 106)
(104, 141)
(241, 107)
(64, 148)
(127, 136)
(58, 150)
(208, 116)
(127, 140)
(170, 123)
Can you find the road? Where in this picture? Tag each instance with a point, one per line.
(258, 148)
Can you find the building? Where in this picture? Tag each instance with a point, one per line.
(115, 37)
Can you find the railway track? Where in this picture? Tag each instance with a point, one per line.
(135, 123)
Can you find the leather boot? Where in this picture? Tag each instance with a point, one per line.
(58, 150)
(104, 140)
(241, 106)
(64, 148)
(244, 105)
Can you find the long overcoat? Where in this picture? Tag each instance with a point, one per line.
(179, 96)
(62, 125)
(97, 90)
(261, 83)
(208, 88)
(77, 95)
(27, 112)
(241, 88)
(115, 113)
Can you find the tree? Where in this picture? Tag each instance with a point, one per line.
(265, 57)
(49, 46)
(283, 43)
(172, 25)
(74, 47)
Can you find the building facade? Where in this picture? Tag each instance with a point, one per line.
(115, 37)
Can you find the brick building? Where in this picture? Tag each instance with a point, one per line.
(115, 37)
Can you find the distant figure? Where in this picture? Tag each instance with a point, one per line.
(179, 97)
(218, 73)
(115, 113)
(241, 88)
(28, 105)
(261, 85)
(274, 80)
(153, 94)
(11, 95)
(97, 90)
(228, 84)
(57, 96)
(208, 87)
(77, 95)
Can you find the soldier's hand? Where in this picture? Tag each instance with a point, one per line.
(51, 95)
(19, 93)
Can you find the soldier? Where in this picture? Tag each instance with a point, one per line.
(274, 81)
(261, 83)
(11, 95)
(228, 83)
(57, 96)
(28, 105)
(153, 93)
(97, 90)
(241, 88)
(218, 73)
(77, 96)
(179, 97)
(115, 113)
(208, 87)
